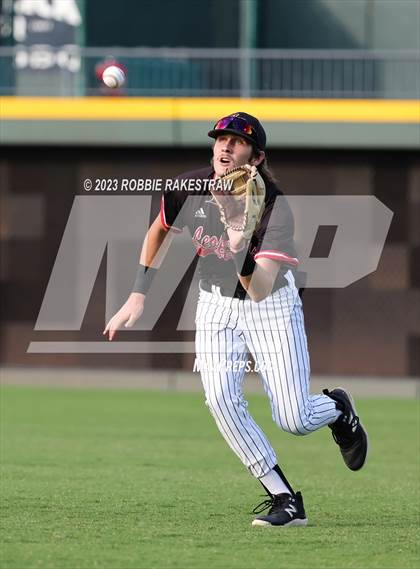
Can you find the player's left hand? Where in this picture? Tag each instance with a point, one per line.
(241, 206)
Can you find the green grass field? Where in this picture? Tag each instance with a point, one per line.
(139, 479)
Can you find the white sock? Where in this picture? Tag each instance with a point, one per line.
(274, 483)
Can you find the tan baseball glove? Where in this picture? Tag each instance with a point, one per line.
(241, 207)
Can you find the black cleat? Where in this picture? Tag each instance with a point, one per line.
(285, 510)
(347, 430)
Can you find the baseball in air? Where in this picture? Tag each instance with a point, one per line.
(113, 77)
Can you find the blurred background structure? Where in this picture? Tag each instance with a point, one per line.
(336, 83)
(257, 48)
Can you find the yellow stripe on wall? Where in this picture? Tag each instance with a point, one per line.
(195, 109)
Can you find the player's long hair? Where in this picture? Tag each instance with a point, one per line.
(263, 168)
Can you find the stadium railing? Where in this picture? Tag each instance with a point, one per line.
(184, 72)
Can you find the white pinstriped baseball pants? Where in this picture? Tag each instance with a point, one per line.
(273, 331)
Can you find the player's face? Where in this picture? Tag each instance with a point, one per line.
(229, 152)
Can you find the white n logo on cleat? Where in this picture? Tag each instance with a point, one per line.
(291, 509)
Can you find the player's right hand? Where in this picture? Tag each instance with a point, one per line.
(127, 315)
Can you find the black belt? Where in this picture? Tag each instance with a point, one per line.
(237, 292)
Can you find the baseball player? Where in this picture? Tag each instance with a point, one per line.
(248, 305)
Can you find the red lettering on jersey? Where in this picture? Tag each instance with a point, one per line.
(198, 233)
(211, 245)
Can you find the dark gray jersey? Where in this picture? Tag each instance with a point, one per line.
(191, 206)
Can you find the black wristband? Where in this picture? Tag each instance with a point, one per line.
(144, 278)
(244, 262)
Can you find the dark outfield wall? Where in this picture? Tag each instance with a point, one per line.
(371, 327)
